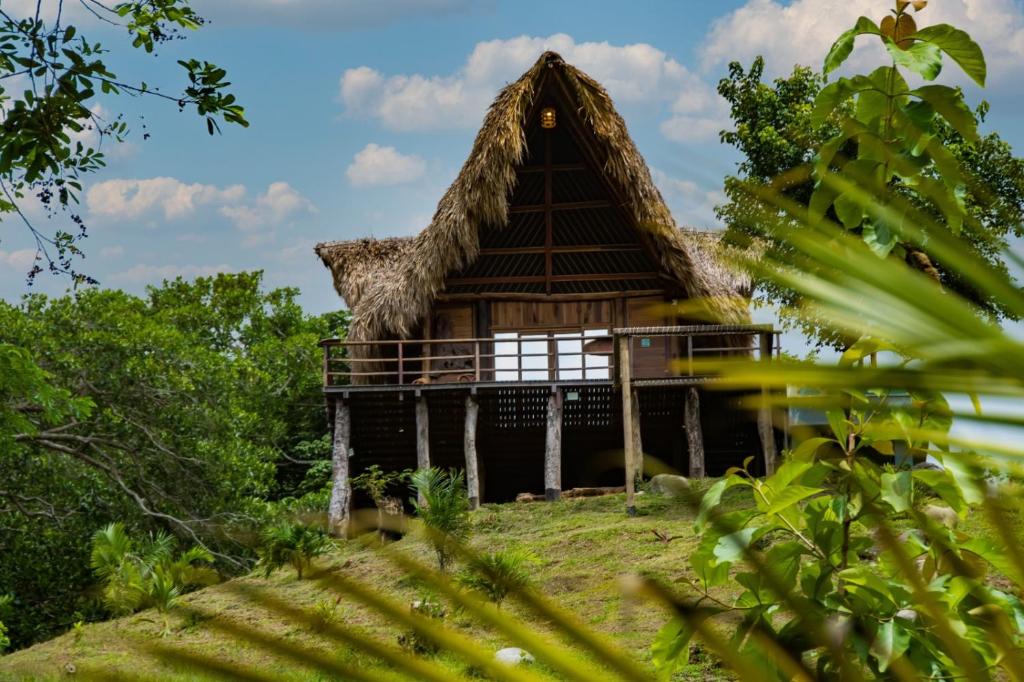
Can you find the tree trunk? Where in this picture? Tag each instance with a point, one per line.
(341, 490)
(469, 446)
(553, 449)
(638, 444)
(422, 437)
(628, 444)
(764, 415)
(694, 433)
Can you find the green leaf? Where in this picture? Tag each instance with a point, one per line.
(960, 48)
(949, 103)
(730, 547)
(945, 486)
(789, 496)
(891, 642)
(843, 46)
(896, 489)
(807, 449)
(879, 237)
(670, 649)
(925, 59)
(840, 427)
(849, 210)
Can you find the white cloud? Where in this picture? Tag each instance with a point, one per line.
(801, 31)
(691, 204)
(146, 274)
(128, 199)
(633, 74)
(376, 165)
(112, 251)
(22, 259)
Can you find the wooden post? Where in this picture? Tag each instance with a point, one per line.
(469, 445)
(422, 436)
(764, 414)
(694, 434)
(341, 489)
(627, 424)
(638, 445)
(553, 448)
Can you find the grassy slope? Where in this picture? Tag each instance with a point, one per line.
(583, 546)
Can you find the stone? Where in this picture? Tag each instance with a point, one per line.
(513, 656)
(668, 485)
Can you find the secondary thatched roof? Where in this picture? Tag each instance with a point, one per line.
(391, 284)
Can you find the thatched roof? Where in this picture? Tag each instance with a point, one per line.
(391, 284)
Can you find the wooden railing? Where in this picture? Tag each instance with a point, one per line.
(477, 360)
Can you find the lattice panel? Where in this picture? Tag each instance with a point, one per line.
(517, 408)
(595, 408)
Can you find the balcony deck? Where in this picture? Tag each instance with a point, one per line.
(534, 359)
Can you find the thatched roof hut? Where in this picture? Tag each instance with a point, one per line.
(391, 284)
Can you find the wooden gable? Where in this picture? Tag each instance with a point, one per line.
(567, 231)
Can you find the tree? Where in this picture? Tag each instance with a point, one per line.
(442, 505)
(780, 128)
(184, 411)
(62, 72)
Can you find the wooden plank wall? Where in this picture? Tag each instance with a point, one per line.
(525, 315)
(650, 356)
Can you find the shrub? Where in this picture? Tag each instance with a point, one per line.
(5, 604)
(376, 482)
(147, 574)
(444, 510)
(291, 544)
(498, 574)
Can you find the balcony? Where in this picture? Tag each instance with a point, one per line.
(655, 356)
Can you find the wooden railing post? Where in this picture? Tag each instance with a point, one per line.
(628, 445)
(476, 359)
(327, 364)
(401, 363)
(689, 353)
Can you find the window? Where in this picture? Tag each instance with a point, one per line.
(528, 357)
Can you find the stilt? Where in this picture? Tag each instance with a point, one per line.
(422, 436)
(694, 434)
(341, 490)
(469, 445)
(628, 443)
(765, 428)
(638, 444)
(553, 448)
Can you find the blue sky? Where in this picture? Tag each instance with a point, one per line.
(363, 112)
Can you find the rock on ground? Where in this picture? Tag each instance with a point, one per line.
(513, 656)
(668, 485)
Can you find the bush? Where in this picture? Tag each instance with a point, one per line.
(147, 574)
(291, 544)
(498, 574)
(444, 510)
(5, 604)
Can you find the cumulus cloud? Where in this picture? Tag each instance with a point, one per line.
(376, 165)
(327, 14)
(145, 274)
(633, 74)
(691, 204)
(127, 199)
(801, 31)
(22, 259)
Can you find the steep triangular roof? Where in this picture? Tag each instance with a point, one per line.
(390, 285)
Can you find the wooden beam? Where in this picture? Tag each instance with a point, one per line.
(549, 235)
(339, 508)
(533, 279)
(422, 436)
(628, 445)
(694, 433)
(573, 248)
(557, 167)
(553, 448)
(563, 206)
(469, 447)
(514, 296)
(765, 427)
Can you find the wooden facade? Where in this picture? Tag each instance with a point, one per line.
(555, 353)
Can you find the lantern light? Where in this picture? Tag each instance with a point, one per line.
(547, 118)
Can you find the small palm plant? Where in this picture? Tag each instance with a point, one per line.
(442, 505)
(498, 574)
(291, 544)
(147, 574)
